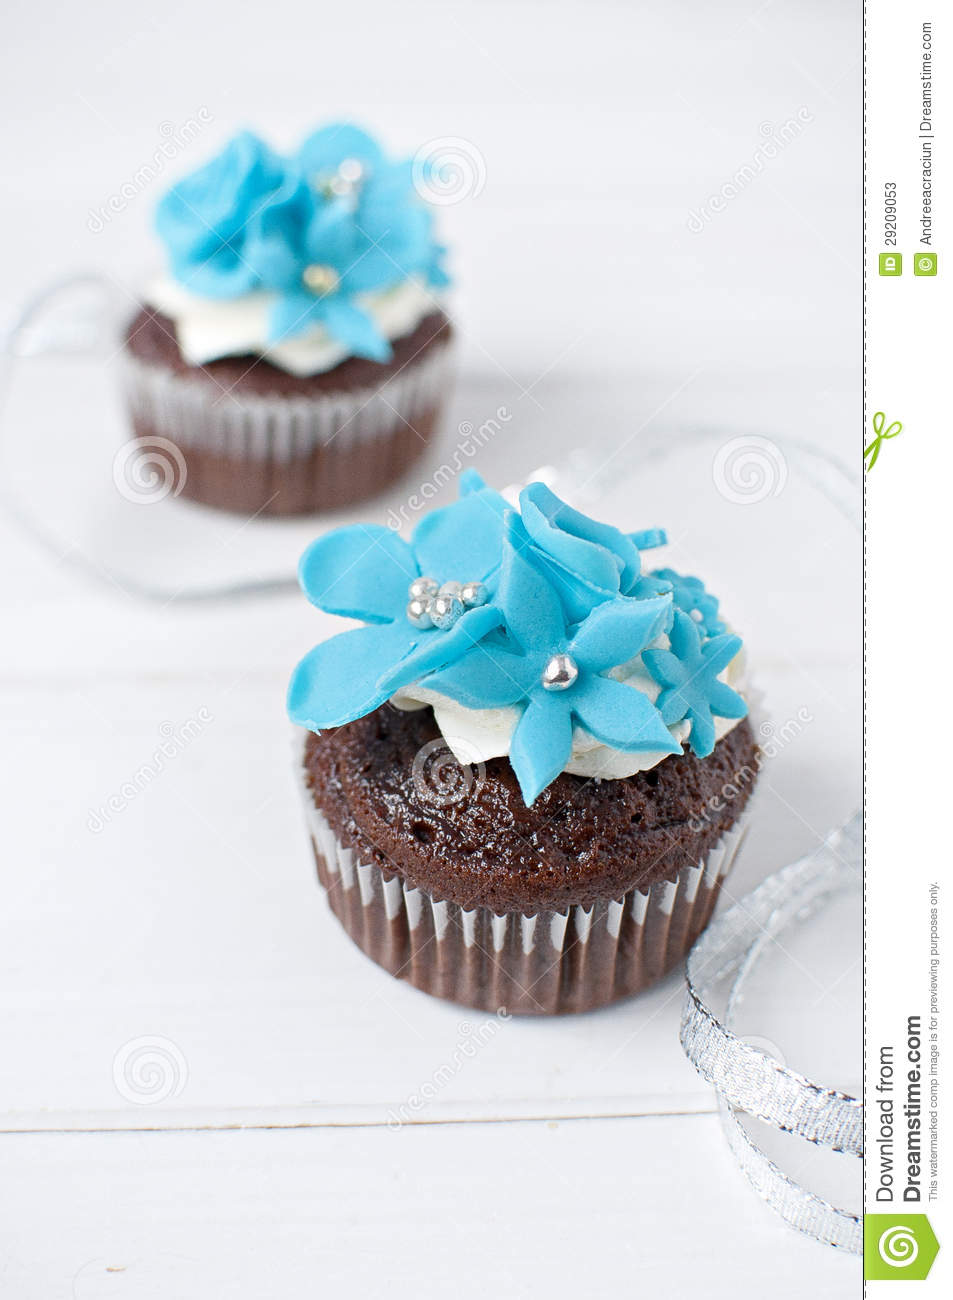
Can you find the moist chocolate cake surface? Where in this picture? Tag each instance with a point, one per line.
(477, 844)
(150, 337)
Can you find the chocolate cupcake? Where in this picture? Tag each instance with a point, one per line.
(297, 354)
(525, 777)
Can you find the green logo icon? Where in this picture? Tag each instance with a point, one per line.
(891, 263)
(924, 264)
(883, 431)
(898, 1247)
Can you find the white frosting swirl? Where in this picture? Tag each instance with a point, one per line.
(209, 328)
(476, 735)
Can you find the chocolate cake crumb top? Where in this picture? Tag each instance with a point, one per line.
(476, 843)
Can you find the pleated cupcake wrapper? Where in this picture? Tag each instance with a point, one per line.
(542, 964)
(196, 414)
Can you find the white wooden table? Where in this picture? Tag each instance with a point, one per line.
(575, 1157)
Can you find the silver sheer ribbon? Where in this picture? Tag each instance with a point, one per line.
(749, 1080)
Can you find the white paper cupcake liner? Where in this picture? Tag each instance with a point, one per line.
(196, 414)
(542, 964)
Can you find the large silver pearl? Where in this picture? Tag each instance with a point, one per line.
(560, 673)
(451, 588)
(418, 612)
(423, 588)
(473, 594)
(445, 610)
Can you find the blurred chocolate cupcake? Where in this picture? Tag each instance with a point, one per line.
(297, 353)
(526, 776)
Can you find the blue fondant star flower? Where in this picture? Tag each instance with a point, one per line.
(691, 596)
(364, 571)
(319, 230)
(689, 672)
(554, 673)
(586, 561)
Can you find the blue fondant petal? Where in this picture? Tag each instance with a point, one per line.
(674, 705)
(531, 606)
(621, 716)
(577, 596)
(702, 737)
(719, 652)
(471, 481)
(293, 314)
(541, 744)
(462, 541)
(597, 552)
(663, 666)
(361, 571)
(436, 649)
(338, 680)
(725, 702)
(487, 677)
(325, 149)
(617, 631)
(352, 327)
(648, 538)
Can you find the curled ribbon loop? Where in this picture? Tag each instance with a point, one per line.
(751, 1081)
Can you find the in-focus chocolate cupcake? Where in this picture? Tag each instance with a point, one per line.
(525, 777)
(297, 353)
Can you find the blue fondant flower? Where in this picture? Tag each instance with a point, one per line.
(210, 220)
(318, 230)
(555, 673)
(691, 596)
(364, 571)
(689, 672)
(586, 561)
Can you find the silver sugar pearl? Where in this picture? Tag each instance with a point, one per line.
(418, 613)
(423, 588)
(445, 610)
(473, 594)
(560, 673)
(451, 588)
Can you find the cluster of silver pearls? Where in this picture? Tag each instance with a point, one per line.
(560, 673)
(434, 605)
(342, 183)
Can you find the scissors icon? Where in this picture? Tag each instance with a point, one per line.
(891, 431)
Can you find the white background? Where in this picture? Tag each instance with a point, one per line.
(579, 1156)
